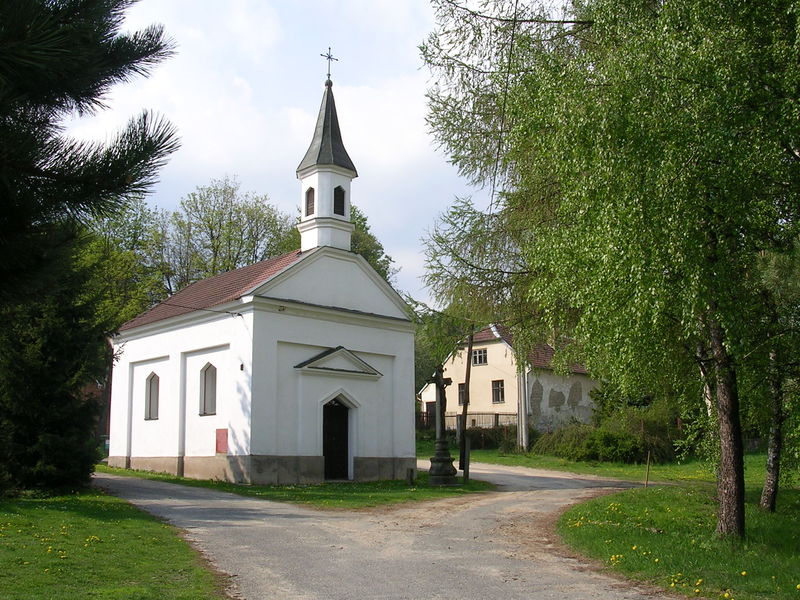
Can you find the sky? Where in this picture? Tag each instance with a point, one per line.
(244, 90)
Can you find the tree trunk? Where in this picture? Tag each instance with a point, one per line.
(730, 479)
(463, 443)
(769, 495)
(708, 394)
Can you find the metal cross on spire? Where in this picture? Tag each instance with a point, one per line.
(329, 57)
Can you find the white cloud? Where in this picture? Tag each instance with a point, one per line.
(254, 27)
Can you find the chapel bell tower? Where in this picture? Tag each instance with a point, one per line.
(325, 174)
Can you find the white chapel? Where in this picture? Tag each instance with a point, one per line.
(296, 369)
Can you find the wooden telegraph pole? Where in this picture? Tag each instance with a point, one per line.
(463, 459)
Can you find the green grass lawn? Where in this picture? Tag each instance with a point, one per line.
(91, 545)
(665, 536)
(334, 495)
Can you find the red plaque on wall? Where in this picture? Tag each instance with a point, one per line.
(222, 441)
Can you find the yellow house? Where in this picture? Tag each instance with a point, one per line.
(500, 394)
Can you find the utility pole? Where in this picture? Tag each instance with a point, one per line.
(462, 449)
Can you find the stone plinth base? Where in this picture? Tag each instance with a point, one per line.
(265, 469)
(377, 468)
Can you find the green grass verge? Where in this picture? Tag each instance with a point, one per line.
(665, 536)
(90, 545)
(333, 495)
(685, 471)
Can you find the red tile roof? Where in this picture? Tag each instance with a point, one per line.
(215, 290)
(540, 358)
(487, 334)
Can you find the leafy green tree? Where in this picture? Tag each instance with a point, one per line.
(646, 153)
(438, 334)
(57, 58)
(124, 247)
(224, 228)
(364, 242)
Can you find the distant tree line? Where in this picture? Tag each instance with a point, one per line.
(150, 254)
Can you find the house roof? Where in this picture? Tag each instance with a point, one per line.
(222, 288)
(326, 146)
(540, 358)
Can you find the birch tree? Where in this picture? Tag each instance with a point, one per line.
(647, 152)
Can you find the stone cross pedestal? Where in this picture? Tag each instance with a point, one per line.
(442, 471)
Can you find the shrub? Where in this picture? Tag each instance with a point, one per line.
(610, 446)
(653, 426)
(565, 442)
(587, 442)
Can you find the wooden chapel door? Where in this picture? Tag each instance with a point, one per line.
(335, 439)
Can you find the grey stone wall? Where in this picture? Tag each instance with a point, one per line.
(555, 400)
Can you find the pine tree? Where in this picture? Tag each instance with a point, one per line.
(58, 58)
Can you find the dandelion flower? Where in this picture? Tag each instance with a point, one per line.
(744, 573)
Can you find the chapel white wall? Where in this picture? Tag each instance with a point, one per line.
(287, 402)
(335, 278)
(177, 355)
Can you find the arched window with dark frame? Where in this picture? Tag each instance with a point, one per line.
(151, 397)
(338, 200)
(309, 201)
(208, 390)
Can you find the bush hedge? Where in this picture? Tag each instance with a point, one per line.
(626, 435)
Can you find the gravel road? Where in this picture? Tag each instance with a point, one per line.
(496, 545)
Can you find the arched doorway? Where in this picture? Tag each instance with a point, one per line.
(335, 439)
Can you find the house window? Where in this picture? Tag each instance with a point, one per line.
(208, 390)
(461, 393)
(498, 392)
(479, 356)
(309, 201)
(338, 200)
(151, 398)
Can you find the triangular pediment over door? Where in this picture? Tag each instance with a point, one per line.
(338, 361)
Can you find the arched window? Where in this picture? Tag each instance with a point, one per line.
(309, 201)
(208, 390)
(338, 200)
(151, 397)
